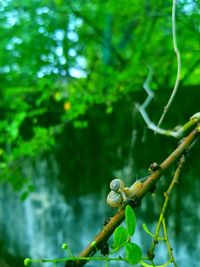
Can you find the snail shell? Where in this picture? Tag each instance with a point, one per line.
(114, 199)
(117, 185)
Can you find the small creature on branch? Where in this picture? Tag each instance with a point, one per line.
(120, 194)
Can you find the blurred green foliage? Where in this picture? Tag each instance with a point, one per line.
(59, 58)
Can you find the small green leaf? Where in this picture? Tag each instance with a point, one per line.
(146, 229)
(133, 253)
(130, 220)
(120, 236)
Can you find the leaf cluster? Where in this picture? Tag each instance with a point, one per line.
(122, 238)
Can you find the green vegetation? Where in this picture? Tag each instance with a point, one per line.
(59, 58)
(62, 60)
(122, 239)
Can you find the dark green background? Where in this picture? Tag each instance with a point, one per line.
(56, 163)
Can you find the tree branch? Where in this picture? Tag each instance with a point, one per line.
(109, 228)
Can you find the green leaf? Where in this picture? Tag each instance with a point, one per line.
(146, 229)
(120, 236)
(133, 253)
(130, 220)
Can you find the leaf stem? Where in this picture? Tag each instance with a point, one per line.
(78, 258)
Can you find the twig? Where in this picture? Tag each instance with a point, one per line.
(71, 259)
(178, 56)
(142, 109)
(167, 242)
(149, 92)
(165, 204)
(107, 230)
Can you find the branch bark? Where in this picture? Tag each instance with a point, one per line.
(153, 178)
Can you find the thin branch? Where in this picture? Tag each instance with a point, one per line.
(142, 109)
(167, 242)
(109, 228)
(164, 207)
(178, 56)
(71, 259)
(149, 92)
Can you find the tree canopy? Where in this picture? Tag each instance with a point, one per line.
(59, 58)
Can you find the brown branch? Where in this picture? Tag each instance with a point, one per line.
(109, 228)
